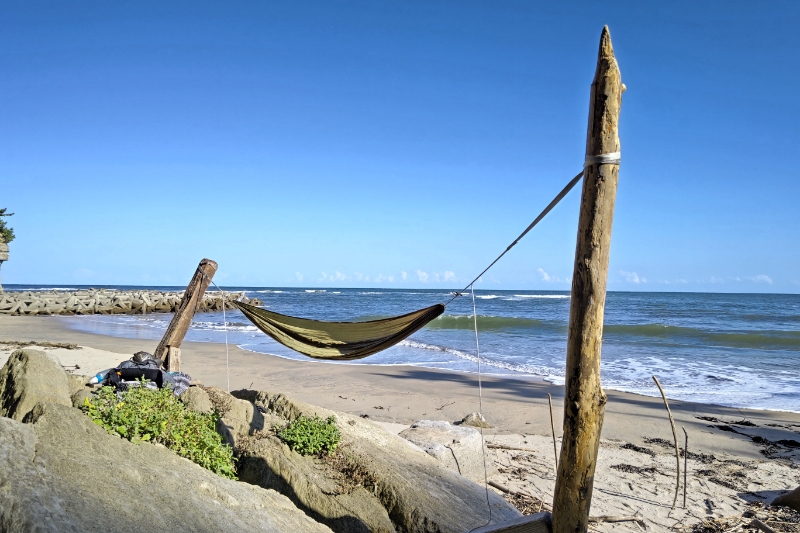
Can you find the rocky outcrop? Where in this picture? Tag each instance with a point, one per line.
(63, 473)
(107, 302)
(314, 486)
(28, 378)
(417, 493)
(457, 448)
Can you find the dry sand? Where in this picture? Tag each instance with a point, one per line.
(635, 474)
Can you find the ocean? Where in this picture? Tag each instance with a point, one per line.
(736, 350)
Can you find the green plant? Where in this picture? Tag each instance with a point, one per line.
(143, 414)
(308, 436)
(6, 233)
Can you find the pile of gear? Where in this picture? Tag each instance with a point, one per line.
(142, 369)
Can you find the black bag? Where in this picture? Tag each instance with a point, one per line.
(118, 375)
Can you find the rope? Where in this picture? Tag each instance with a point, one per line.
(225, 327)
(544, 213)
(480, 402)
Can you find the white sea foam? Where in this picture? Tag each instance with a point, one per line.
(532, 370)
(487, 296)
(316, 290)
(219, 326)
(546, 296)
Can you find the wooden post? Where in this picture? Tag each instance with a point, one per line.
(173, 359)
(584, 399)
(183, 316)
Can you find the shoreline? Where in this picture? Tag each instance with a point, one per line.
(519, 376)
(404, 393)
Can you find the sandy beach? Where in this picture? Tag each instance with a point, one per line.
(636, 469)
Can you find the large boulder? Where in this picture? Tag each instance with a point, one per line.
(418, 493)
(238, 418)
(309, 483)
(196, 399)
(790, 499)
(458, 448)
(30, 377)
(63, 473)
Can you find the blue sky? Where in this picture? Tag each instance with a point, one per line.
(394, 144)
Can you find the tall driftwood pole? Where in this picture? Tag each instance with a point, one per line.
(584, 399)
(180, 323)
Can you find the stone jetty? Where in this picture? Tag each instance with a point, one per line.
(109, 302)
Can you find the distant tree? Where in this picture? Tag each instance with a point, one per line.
(6, 233)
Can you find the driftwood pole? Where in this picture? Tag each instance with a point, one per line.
(180, 323)
(584, 399)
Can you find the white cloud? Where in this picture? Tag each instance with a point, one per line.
(422, 276)
(381, 277)
(298, 276)
(715, 279)
(681, 280)
(632, 277)
(545, 276)
(338, 276)
(449, 275)
(359, 276)
(762, 278)
(403, 275)
(324, 276)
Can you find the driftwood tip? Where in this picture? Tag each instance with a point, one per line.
(606, 48)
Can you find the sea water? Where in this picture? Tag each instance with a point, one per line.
(737, 350)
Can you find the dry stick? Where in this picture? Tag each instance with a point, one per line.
(675, 437)
(553, 428)
(685, 463)
(761, 525)
(615, 519)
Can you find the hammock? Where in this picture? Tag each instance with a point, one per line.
(341, 341)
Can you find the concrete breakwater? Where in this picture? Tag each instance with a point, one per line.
(109, 302)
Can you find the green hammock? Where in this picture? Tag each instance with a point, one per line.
(342, 341)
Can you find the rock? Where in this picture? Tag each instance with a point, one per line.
(197, 400)
(790, 499)
(65, 474)
(76, 382)
(475, 420)
(30, 377)
(458, 448)
(270, 464)
(79, 397)
(418, 493)
(238, 418)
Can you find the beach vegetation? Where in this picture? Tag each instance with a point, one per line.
(311, 436)
(140, 414)
(6, 233)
